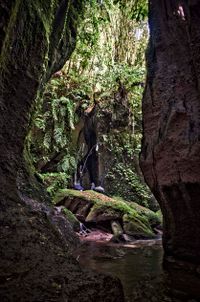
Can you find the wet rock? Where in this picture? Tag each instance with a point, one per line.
(118, 239)
(116, 228)
(97, 235)
(118, 232)
(72, 219)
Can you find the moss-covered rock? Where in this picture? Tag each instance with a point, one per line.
(134, 227)
(100, 213)
(135, 220)
(153, 218)
(72, 219)
(53, 181)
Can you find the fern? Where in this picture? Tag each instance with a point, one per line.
(40, 122)
(68, 164)
(58, 135)
(47, 140)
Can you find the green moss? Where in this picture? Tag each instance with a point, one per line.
(159, 217)
(149, 216)
(54, 181)
(124, 166)
(45, 11)
(135, 227)
(103, 210)
(101, 200)
(86, 195)
(39, 18)
(72, 219)
(19, 10)
(5, 51)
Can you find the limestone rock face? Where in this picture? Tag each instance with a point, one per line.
(171, 118)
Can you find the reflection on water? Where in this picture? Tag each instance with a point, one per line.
(129, 264)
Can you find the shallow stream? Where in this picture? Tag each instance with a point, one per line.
(130, 263)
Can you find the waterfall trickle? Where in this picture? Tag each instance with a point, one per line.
(83, 230)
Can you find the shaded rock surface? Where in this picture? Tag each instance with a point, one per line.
(45, 269)
(170, 154)
(36, 243)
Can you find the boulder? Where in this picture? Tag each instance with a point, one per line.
(100, 213)
(75, 201)
(134, 227)
(118, 232)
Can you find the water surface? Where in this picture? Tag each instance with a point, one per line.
(131, 263)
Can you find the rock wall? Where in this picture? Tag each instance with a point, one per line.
(171, 123)
(36, 262)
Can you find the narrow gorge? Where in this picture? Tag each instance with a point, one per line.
(73, 126)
